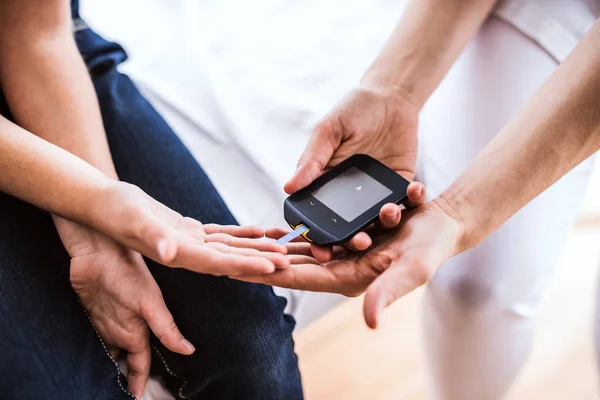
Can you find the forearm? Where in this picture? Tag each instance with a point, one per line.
(558, 129)
(46, 83)
(47, 176)
(424, 45)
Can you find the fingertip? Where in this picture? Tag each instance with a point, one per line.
(256, 232)
(246, 231)
(268, 267)
(279, 248)
(187, 347)
(390, 215)
(321, 253)
(306, 172)
(136, 392)
(416, 193)
(298, 181)
(163, 326)
(361, 241)
(389, 210)
(280, 261)
(273, 233)
(371, 320)
(138, 372)
(136, 385)
(254, 270)
(372, 308)
(290, 186)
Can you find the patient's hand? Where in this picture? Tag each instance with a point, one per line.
(124, 301)
(371, 119)
(117, 289)
(401, 260)
(129, 216)
(121, 298)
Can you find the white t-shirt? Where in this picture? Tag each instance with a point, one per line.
(556, 25)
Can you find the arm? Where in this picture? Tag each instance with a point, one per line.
(49, 92)
(41, 70)
(380, 116)
(124, 302)
(41, 174)
(425, 44)
(46, 82)
(557, 130)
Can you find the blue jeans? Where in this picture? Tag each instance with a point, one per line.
(48, 347)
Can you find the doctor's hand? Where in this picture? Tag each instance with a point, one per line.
(371, 119)
(401, 260)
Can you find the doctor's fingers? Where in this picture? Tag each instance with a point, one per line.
(313, 277)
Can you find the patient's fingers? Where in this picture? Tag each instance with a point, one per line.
(299, 248)
(278, 259)
(321, 253)
(262, 245)
(278, 233)
(210, 260)
(361, 241)
(234, 230)
(235, 264)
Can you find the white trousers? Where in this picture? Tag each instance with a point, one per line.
(481, 306)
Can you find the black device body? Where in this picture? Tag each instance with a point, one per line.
(328, 227)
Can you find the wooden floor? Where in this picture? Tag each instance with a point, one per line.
(341, 359)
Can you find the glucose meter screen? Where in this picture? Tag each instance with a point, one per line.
(351, 193)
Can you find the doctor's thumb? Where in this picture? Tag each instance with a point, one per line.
(401, 278)
(314, 159)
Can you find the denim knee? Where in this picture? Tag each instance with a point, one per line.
(243, 340)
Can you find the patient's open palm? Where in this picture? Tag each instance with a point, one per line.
(139, 222)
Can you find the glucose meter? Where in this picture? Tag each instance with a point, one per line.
(343, 201)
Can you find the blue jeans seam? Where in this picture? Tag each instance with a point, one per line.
(173, 374)
(79, 24)
(106, 351)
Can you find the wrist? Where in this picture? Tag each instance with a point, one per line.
(455, 205)
(404, 89)
(396, 98)
(96, 209)
(75, 238)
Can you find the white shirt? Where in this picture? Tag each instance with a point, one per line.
(555, 25)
